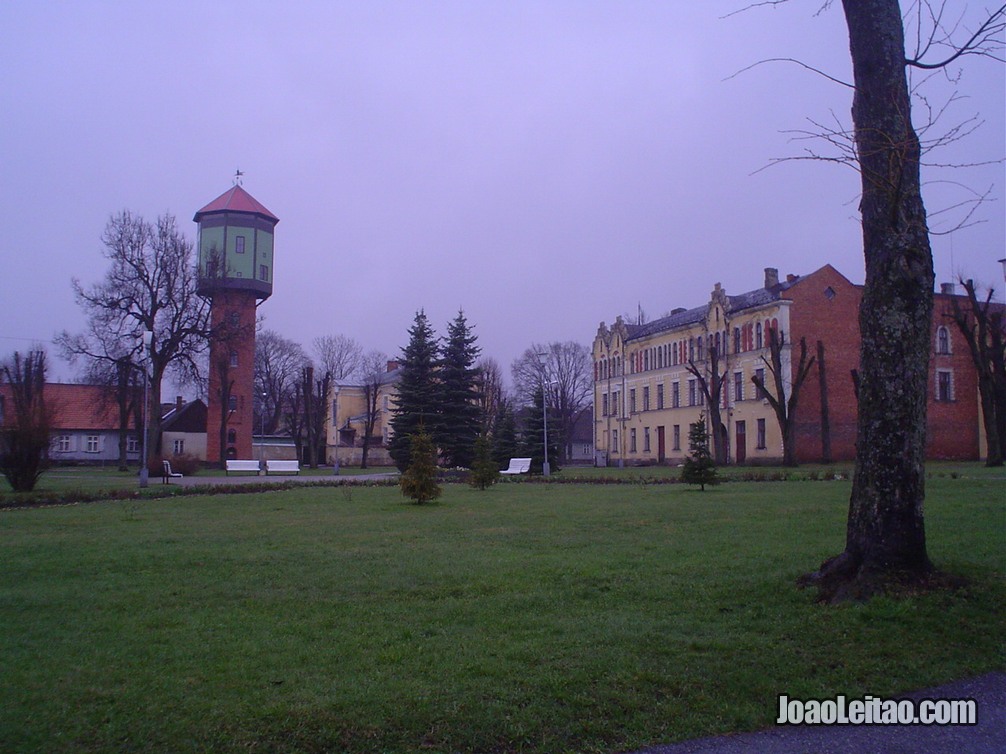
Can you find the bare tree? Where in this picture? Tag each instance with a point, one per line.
(885, 533)
(25, 430)
(785, 393)
(565, 371)
(492, 393)
(374, 374)
(983, 325)
(278, 362)
(711, 382)
(150, 286)
(311, 396)
(338, 355)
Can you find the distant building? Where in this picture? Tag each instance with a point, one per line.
(86, 425)
(346, 422)
(645, 397)
(183, 429)
(581, 439)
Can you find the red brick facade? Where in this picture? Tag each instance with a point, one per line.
(235, 360)
(833, 318)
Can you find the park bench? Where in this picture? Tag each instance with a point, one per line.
(518, 466)
(281, 467)
(243, 466)
(168, 473)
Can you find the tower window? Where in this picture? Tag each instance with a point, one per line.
(239, 245)
(263, 273)
(234, 358)
(232, 403)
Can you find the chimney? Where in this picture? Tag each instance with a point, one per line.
(392, 365)
(771, 277)
(179, 403)
(948, 289)
(791, 278)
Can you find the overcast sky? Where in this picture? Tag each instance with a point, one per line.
(543, 165)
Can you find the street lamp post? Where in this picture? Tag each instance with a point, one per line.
(261, 428)
(545, 470)
(542, 355)
(148, 338)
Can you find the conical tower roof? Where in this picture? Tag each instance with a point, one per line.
(236, 199)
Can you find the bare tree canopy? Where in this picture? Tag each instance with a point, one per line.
(936, 37)
(278, 362)
(492, 391)
(150, 285)
(565, 371)
(338, 355)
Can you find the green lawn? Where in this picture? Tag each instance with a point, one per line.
(533, 618)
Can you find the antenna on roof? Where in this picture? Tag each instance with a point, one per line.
(237, 177)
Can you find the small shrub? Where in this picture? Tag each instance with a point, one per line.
(484, 472)
(419, 482)
(699, 466)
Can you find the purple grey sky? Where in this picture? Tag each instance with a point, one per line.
(543, 165)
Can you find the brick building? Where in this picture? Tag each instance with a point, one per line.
(645, 397)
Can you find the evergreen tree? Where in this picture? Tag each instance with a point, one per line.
(699, 467)
(532, 438)
(458, 395)
(419, 482)
(417, 403)
(505, 437)
(484, 470)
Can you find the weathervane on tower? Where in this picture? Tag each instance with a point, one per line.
(237, 177)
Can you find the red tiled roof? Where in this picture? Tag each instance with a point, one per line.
(236, 199)
(76, 406)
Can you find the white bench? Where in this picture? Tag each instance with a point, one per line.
(168, 473)
(243, 466)
(281, 467)
(518, 466)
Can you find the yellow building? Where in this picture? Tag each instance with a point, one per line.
(347, 420)
(645, 397)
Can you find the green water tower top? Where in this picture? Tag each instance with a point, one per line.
(235, 244)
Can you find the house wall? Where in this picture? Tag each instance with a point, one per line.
(194, 444)
(88, 446)
(347, 409)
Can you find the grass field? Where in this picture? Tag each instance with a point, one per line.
(537, 618)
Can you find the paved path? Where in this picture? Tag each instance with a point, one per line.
(987, 737)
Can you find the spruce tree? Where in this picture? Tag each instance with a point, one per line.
(458, 395)
(699, 466)
(485, 472)
(419, 482)
(417, 403)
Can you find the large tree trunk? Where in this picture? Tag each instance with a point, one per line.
(885, 536)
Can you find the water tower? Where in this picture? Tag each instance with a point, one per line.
(235, 274)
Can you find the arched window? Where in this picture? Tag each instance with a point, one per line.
(758, 337)
(942, 340)
(232, 436)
